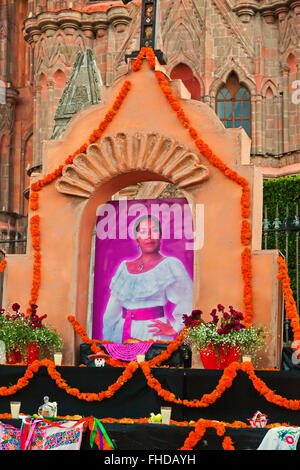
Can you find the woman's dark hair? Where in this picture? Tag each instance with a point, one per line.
(146, 217)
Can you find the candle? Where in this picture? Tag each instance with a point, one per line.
(57, 359)
(15, 409)
(246, 358)
(165, 412)
(140, 357)
(2, 353)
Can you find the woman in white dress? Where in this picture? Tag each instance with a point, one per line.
(141, 288)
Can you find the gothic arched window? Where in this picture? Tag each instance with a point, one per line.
(233, 105)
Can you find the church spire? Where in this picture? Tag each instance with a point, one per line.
(82, 90)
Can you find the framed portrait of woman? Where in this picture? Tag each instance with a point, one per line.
(143, 270)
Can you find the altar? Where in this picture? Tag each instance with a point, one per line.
(133, 432)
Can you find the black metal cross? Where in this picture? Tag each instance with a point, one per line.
(149, 19)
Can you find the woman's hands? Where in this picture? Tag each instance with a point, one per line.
(161, 328)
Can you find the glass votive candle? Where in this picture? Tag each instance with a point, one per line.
(246, 359)
(165, 412)
(15, 409)
(58, 358)
(140, 357)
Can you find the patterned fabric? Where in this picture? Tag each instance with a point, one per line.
(281, 438)
(63, 439)
(127, 352)
(61, 436)
(9, 437)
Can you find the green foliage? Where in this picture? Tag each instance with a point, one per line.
(226, 329)
(17, 332)
(283, 193)
(249, 340)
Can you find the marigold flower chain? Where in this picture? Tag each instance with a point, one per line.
(3, 264)
(96, 134)
(247, 277)
(204, 149)
(164, 356)
(39, 185)
(36, 281)
(290, 304)
(225, 383)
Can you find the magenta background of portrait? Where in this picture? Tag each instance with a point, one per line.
(109, 253)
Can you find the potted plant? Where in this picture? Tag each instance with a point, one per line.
(13, 334)
(223, 339)
(26, 338)
(43, 338)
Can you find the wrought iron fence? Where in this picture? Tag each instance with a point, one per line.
(281, 232)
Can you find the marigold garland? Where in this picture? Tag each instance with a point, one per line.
(290, 304)
(3, 264)
(61, 383)
(49, 178)
(36, 281)
(247, 278)
(227, 443)
(225, 383)
(200, 429)
(205, 150)
(96, 134)
(190, 442)
(162, 357)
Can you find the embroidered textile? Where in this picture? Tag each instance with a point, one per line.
(281, 438)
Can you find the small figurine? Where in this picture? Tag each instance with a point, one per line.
(259, 420)
(48, 409)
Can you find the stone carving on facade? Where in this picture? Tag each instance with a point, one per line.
(288, 34)
(7, 113)
(49, 52)
(229, 18)
(126, 152)
(3, 31)
(229, 65)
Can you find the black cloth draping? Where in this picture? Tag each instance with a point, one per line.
(241, 400)
(136, 399)
(154, 437)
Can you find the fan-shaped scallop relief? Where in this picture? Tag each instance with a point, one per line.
(122, 153)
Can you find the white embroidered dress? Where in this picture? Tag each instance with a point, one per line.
(167, 281)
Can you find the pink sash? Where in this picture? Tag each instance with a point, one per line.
(140, 314)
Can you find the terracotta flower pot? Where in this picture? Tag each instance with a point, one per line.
(14, 357)
(32, 353)
(219, 358)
